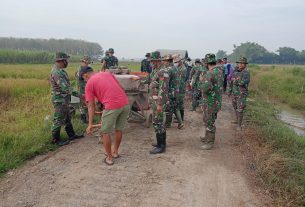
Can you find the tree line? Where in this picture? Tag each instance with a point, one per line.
(30, 57)
(70, 46)
(258, 54)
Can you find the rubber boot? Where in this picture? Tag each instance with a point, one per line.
(160, 145)
(209, 140)
(239, 121)
(71, 134)
(168, 120)
(83, 118)
(56, 139)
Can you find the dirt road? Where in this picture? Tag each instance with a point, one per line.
(183, 176)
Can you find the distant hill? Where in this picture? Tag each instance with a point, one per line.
(70, 46)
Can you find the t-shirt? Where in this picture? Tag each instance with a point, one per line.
(106, 89)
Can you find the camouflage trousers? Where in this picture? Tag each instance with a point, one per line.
(196, 95)
(61, 116)
(172, 106)
(158, 119)
(83, 109)
(239, 103)
(180, 102)
(210, 109)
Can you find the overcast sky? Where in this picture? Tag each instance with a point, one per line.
(134, 27)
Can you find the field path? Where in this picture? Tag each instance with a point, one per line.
(184, 176)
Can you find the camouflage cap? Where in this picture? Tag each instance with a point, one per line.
(111, 50)
(61, 56)
(197, 60)
(86, 58)
(167, 57)
(210, 58)
(84, 70)
(242, 60)
(177, 58)
(147, 54)
(155, 55)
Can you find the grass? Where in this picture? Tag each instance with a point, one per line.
(279, 152)
(280, 83)
(26, 111)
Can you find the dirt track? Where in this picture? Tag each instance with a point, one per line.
(183, 176)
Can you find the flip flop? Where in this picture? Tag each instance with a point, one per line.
(108, 163)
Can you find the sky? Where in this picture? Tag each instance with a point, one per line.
(134, 27)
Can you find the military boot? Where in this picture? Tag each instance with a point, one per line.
(168, 120)
(70, 132)
(209, 140)
(160, 148)
(56, 139)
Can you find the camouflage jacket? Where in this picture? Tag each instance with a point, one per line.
(197, 71)
(81, 83)
(60, 85)
(210, 85)
(159, 86)
(145, 66)
(111, 61)
(239, 82)
(181, 71)
(174, 82)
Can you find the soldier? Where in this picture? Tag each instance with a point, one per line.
(195, 73)
(239, 89)
(173, 93)
(159, 83)
(112, 61)
(210, 84)
(81, 84)
(181, 71)
(145, 64)
(61, 95)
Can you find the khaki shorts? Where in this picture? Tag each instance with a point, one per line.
(114, 119)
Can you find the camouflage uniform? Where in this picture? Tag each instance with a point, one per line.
(145, 64)
(238, 90)
(61, 92)
(196, 93)
(181, 71)
(173, 93)
(111, 61)
(81, 84)
(158, 95)
(210, 85)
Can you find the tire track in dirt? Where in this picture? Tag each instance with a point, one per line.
(183, 176)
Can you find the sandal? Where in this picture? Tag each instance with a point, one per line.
(116, 156)
(107, 162)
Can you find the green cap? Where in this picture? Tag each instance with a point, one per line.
(242, 60)
(111, 50)
(61, 56)
(210, 58)
(155, 55)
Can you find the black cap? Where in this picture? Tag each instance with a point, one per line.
(84, 70)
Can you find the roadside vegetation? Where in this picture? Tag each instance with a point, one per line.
(26, 111)
(279, 153)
